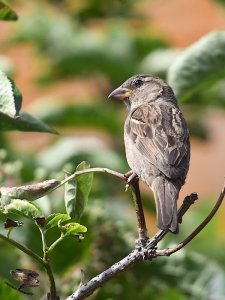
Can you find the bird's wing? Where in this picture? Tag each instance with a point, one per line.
(160, 133)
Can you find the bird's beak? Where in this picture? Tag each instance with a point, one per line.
(120, 93)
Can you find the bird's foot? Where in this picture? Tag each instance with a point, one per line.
(142, 247)
(130, 177)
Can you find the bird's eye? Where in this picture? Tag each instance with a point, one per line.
(138, 83)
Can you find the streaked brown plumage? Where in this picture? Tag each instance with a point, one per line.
(157, 141)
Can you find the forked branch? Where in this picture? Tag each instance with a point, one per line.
(146, 249)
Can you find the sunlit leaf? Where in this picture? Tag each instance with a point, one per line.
(18, 98)
(6, 13)
(10, 104)
(22, 208)
(72, 229)
(7, 101)
(53, 220)
(200, 66)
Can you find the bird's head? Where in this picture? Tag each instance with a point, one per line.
(140, 89)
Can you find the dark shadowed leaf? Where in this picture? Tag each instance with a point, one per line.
(6, 13)
(22, 208)
(53, 220)
(25, 122)
(201, 65)
(77, 192)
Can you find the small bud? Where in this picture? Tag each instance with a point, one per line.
(40, 221)
(9, 223)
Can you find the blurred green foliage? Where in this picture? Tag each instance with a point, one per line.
(110, 41)
(6, 13)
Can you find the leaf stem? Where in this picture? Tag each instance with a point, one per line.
(55, 243)
(44, 262)
(23, 249)
(44, 244)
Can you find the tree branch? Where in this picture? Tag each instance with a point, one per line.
(145, 249)
(187, 202)
(96, 282)
(169, 251)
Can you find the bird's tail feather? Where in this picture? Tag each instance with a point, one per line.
(166, 195)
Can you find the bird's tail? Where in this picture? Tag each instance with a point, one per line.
(166, 195)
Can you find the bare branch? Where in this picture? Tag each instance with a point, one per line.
(169, 251)
(187, 202)
(145, 249)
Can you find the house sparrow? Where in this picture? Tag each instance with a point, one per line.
(157, 142)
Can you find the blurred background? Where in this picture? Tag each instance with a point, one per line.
(66, 57)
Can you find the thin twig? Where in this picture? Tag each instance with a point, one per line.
(187, 202)
(78, 173)
(169, 251)
(92, 170)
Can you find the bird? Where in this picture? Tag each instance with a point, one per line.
(157, 144)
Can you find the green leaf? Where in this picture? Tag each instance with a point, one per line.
(77, 192)
(8, 293)
(70, 196)
(18, 98)
(200, 66)
(54, 219)
(6, 13)
(72, 229)
(10, 104)
(25, 122)
(10, 96)
(22, 208)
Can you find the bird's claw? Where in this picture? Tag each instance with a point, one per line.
(130, 176)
